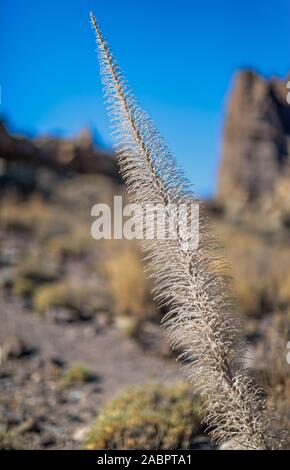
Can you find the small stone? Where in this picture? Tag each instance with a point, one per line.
(65, 315)
(80, 433)
(57, 362)
(75, 395)
(102, 320)
(16, 348)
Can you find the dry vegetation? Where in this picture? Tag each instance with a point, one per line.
(261, 266)
(151, 417)
(130, 291)
(260, 269)
(272, 355)
(202, 315)
(51, 265)
(77, 374)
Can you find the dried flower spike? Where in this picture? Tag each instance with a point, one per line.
(202, 321)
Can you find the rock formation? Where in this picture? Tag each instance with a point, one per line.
(62, 156)
(256, 143)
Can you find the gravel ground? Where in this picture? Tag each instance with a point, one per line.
(35, 353)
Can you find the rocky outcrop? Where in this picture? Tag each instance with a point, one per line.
(256, 143)
(77, 155)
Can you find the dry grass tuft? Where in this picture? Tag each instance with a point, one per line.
(151, 417)
(129, 289)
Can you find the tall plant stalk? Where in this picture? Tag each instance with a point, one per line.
(202, 321)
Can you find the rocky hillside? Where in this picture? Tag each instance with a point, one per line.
(23, 161)
(256, 143)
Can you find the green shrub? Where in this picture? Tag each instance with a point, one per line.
(77, 374)
(152, 417)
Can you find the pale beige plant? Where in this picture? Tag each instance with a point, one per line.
(202, 320)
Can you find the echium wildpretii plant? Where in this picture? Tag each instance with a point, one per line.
(202, 321)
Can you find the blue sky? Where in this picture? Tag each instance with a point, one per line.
(179, 57)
